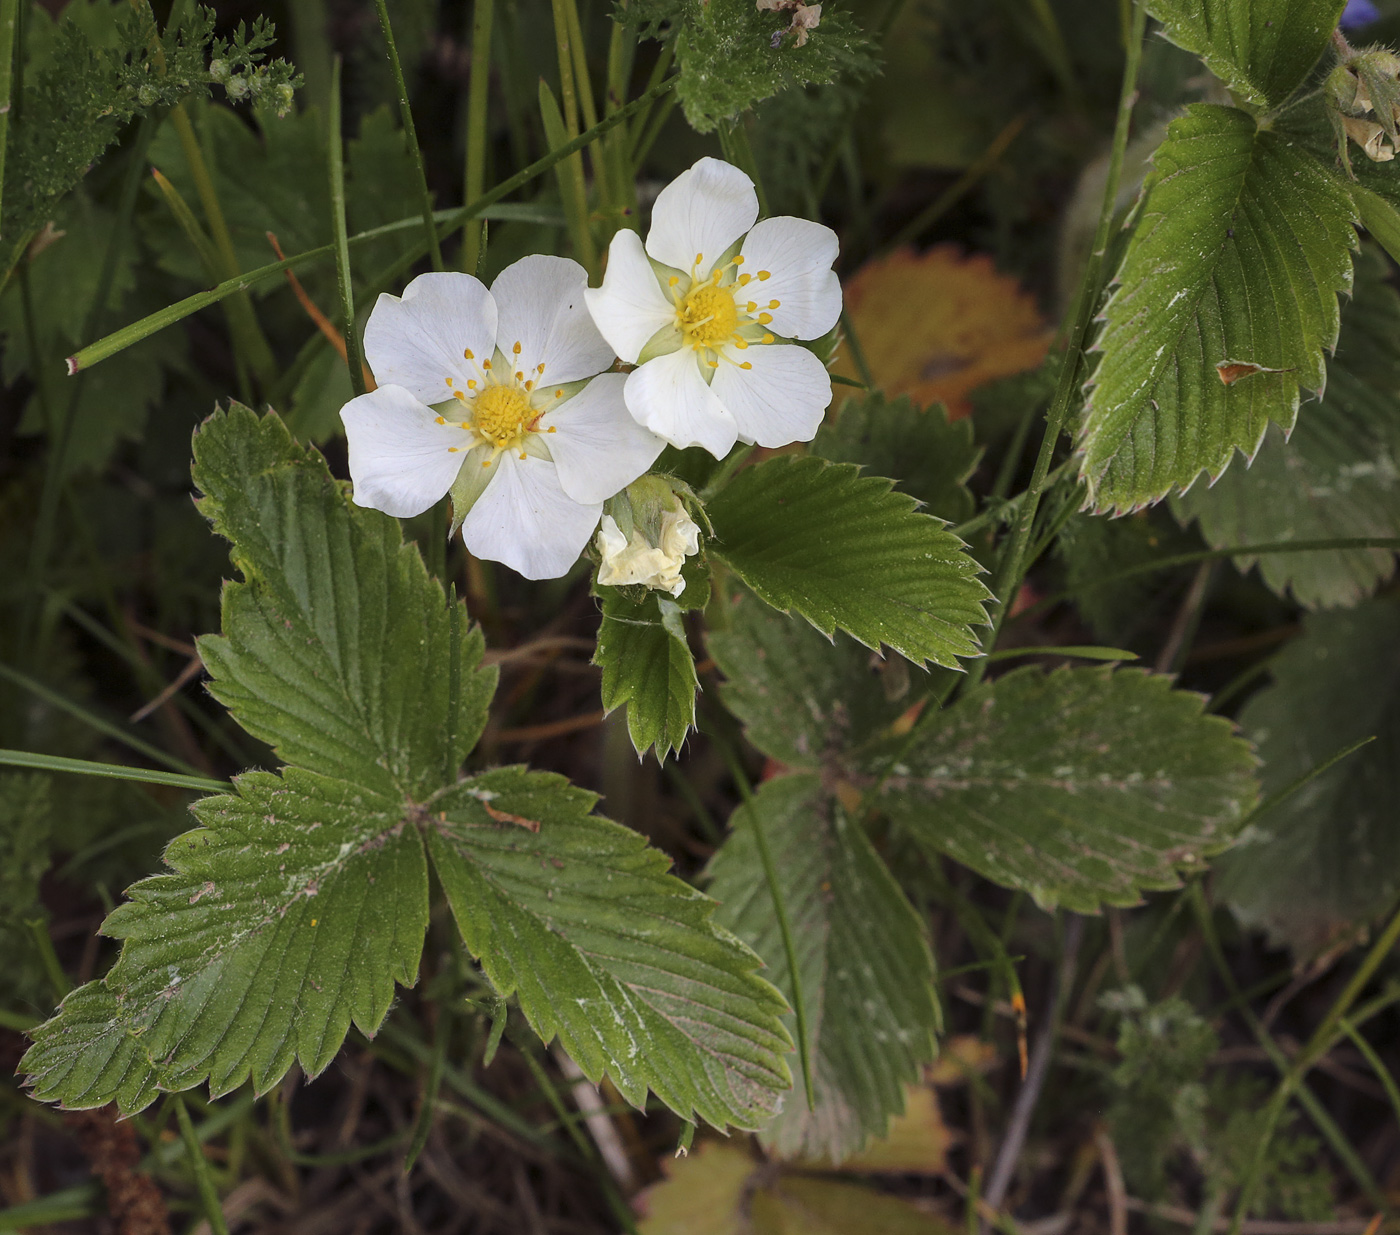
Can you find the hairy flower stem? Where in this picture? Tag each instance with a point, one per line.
(411, 133)
(478, 93)
(1014, 560)
(336, 163)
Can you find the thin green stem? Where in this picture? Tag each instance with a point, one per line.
(1012, 564)
(478, 97)
(58, 980)
(770, 875)
(1368, 1053)
(622, 48)
(199, 1165)
(353, 359)
(561, 124)
(112, 771)
(1211, 555)
(411, 134)
(444, 220)
(248, 338)
(9, 19)
(54, 699)
(960, 188)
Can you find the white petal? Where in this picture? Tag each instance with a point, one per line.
(669, 397)
(798, 253)
(781, 399)
(540, 302)
(703, 210)
(400, 459)
(630, 307)
(527, 521)
(597, 446)
(416, 341)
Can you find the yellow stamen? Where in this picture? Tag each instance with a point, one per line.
(699, 257)
(502, 412)
(471, 383)
(739, 261)
(764, 274)
(530, 385)
(468, 355)
(745, 279)
(775, 304)
(442, 420)
(714, 364)
(486, 463)
(751, 307)
(768, 338)
(764, 318)
(449, 381)
(516, 347)
(452, 450)
(558, 394)
(551, 429)
(746, 364)
(460, 395)
(707, 315)
(673, 280)
(485, 364)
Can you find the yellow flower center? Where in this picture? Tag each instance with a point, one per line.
(500, 413)
(708, 314)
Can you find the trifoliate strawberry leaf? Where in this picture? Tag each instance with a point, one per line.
(928, 457)
(579, 919)
(291, 913)
(1225, 305)
(846, 551)
(1261, 49)
(1327, 857)
(804, 700)
(647, 667)
(1337, 476)
(1082, 787)
(866, 971)
(304, 898)
(339, 649)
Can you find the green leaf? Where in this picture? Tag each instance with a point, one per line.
(304, 898)
(290, 914)
(1261, 49)
(867, 973)
(1328, 857)
(1338, 475)
(1082, 786)
(339, 647)
(844, 550)
(1226, 302)
(804, 700)
(929, 458)
(647, 666)
(1379, 217)
(579, 919)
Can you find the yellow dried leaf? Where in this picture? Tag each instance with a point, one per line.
(917, 1143)
(960, 1057)
(937, 325)
(805, 1206)
(703, 1194)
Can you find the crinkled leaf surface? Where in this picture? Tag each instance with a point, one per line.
(1261, 49)
(845, 550)
(804, 700)
(1328, 856)
(1337, 476)
(579, 919)
(918, 448)
(1242, 246)
(304, 898)
(290, 914)
(866, 970)
(1082, 787)
(339, 648)
(648, 668)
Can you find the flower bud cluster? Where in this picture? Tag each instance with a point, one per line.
(1363, 94)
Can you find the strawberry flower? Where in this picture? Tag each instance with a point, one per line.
(500, 398)
(706, 310)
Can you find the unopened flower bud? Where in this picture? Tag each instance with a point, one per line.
(646, 538)
(218, 70)
(237, 88)
(1370, 137)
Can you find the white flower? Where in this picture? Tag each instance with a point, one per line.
(706, 316)
(637, 561)
(487, 394)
